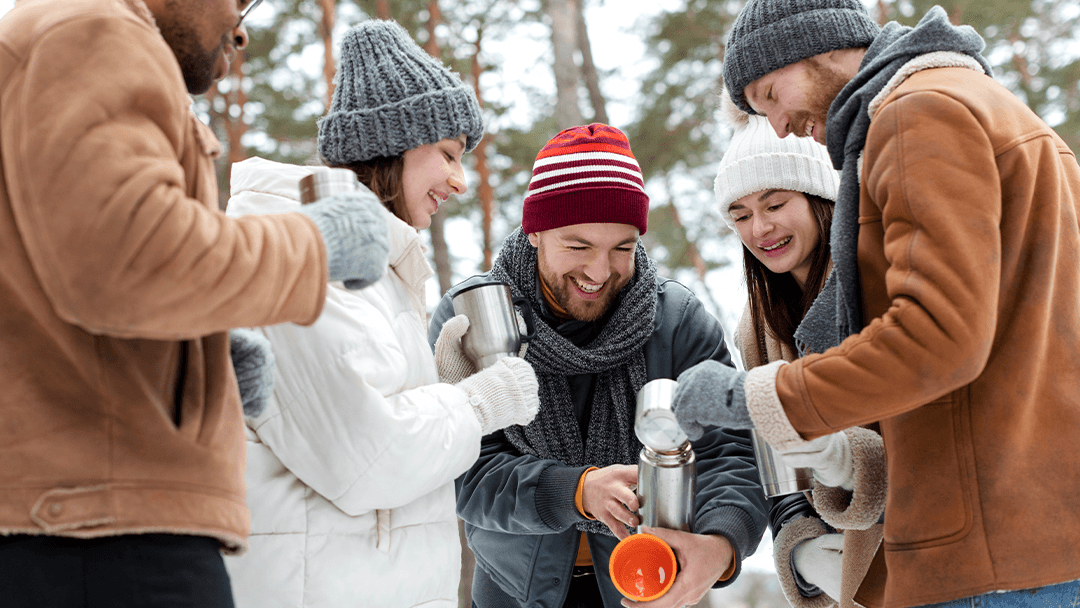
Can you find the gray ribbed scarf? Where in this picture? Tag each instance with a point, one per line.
(837, 313)
(616, 356)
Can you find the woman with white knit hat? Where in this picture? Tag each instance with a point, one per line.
(778, 196)
(351, 465)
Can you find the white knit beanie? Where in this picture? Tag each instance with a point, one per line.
(758, 160)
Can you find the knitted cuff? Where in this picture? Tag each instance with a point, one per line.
(861, 507)
(354, 232)
(765, 408)
(791, 534)
(554, 495)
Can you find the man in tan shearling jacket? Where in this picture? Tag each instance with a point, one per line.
(121, 437)
(953, 317)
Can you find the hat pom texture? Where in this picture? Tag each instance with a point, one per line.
(391, 96)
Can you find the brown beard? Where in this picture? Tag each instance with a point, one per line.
(577, 308)
(829, 84)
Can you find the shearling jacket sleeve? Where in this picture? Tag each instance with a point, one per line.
(936, 205)
(342, 418)
(100, 150)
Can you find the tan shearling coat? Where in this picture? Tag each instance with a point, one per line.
(967, 252)
(119, 276)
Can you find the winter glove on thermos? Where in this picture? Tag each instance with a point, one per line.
(253, 362)
(830, 458)
(450, 358)
(354, 231)
(711, 394)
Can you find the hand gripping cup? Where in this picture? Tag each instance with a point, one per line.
(493, 329)
(642, 567)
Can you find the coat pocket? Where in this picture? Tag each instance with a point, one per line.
(507, 558)
(929, 499)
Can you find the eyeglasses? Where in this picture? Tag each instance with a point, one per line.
(247, 11)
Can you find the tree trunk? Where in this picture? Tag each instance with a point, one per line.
(439, 249)
(382, 9)
(564, 41)
(485, 192)
(327, 31)
(588, 68)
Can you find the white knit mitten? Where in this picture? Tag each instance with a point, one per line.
(829, 456)
(819, 562)
(503, 394)
(450, 357)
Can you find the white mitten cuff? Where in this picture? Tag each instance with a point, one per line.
(503, 394)
(862, 506)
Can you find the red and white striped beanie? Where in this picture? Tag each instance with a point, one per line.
(586, 175)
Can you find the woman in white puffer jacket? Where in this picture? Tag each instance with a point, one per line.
(350, 466)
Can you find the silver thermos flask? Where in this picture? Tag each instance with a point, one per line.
(666, 477)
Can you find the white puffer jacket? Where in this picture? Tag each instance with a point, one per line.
(350, 468)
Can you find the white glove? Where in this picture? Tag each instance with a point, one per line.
(450, 358)
(819, 561)
(828, 456)
(503, 394)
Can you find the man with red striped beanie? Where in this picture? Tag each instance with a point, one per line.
(546, 503)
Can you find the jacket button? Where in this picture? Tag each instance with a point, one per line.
(475, 400)
(56, 508)
(555, 580)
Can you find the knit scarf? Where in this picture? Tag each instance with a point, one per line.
(616, 356)
(837, 313)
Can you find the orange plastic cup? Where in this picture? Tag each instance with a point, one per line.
(642, 567)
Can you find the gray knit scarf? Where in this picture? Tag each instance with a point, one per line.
(837, 313)
(616, 356)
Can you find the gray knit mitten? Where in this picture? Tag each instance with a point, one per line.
(355, 233)
(253, 361)
(711, 394)
(502, 394)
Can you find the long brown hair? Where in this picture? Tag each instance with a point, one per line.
(776, 302)
(383, 176)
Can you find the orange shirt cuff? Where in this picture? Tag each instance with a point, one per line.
(730, 571)
(578, 494)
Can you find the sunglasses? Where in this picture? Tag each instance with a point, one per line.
(247, 11)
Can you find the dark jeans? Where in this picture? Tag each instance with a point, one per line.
(144, 570)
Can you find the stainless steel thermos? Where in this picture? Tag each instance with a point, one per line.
(666, 476)
(777, 478)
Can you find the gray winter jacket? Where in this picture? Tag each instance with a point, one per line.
(519, 510)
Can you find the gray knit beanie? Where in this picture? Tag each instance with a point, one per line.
(771, 34)
(391, 96)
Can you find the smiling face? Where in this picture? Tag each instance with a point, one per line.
(779, 229)
(586, 265)
(431, 173)
(204, 35)
(796, 98)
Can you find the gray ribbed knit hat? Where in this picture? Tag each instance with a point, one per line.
(391, 96)
(771, 34)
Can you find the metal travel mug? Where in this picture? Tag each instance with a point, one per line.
(326, 181)
(493, 330)
(666, 474)
(778, 479)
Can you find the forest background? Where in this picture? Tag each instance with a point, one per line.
(648, 67)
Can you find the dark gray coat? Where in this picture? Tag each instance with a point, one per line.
(519, 510)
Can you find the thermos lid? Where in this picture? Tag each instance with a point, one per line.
(655, 424)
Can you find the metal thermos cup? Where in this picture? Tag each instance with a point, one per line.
(666, 475)
(326, 181)
(778, 479)
(493, 330)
